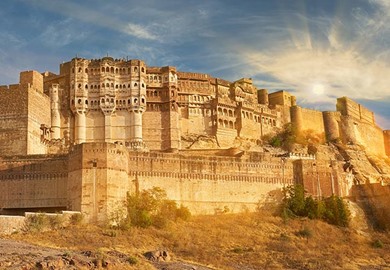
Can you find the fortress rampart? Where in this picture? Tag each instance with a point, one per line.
(83, 138)
(95, 178)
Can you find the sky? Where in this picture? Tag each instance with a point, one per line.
(318, 50)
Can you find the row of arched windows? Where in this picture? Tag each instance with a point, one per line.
(110, 85)
(199, 111)
(109, 101)
(108, 70)
(158, 93)
(194, 84)
(227, 112)
(154, 78)
(226, 124)
(199, 98)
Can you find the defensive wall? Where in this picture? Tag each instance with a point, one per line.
(24, 109)
(358, 126)
(323, 178)
(33, 182)
(308, 120)
(95, 178)
(351, 124)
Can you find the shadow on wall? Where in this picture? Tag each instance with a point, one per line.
(34, 184)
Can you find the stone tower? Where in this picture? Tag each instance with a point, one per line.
(108, 98)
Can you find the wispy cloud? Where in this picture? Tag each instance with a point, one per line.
(309, 52)
(61, 33)
(95, 17)
(139, 31)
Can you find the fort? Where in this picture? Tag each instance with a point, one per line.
(82, 139)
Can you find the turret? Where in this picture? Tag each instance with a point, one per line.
(262, 96)
(331, 125)
(297, 119)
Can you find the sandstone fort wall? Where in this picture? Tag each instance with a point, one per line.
(313, 120)
(331, 125)
(322, 178)
(33, 182)
(13, 120)
(96, 177)
(206, 183)
(38, 114)
(366, 134)
(348, 107)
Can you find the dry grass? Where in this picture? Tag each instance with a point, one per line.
(234, 241)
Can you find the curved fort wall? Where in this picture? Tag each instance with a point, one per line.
(331, 125)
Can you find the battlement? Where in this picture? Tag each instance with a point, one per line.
(348, 107)
(32, 79)
(221, 82)
(192, 76)
(281, 97)
(11, 87)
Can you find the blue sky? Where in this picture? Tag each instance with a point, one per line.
(317, 49)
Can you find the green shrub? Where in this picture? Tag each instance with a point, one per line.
(151, 207)
(132, 260)
(284, 139)
(37, 222)
(76, 219)
(377, 244)
(333, 209)
(56, 221)
(183, 213)
(294, 200)
(305, 232)
(336, 211)
(314, 209)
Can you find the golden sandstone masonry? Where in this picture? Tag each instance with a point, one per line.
(82, 139)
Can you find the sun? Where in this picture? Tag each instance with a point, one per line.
(318, 89)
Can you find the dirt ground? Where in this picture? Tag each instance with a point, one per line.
(248, 241)
(16, 255)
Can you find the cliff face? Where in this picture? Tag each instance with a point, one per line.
(367, 169)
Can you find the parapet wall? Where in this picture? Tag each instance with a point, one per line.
(305, 120)
(95, 178)
(313, 120)
(348, 107)
(206, 183)
(31, 79)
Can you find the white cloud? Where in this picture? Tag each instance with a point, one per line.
(139, 31)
